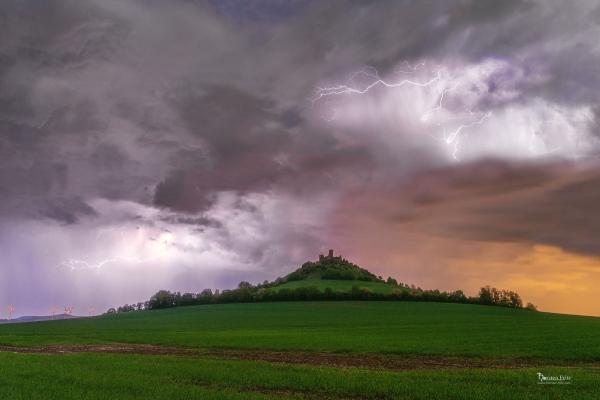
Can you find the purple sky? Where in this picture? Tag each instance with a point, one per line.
(185, 145)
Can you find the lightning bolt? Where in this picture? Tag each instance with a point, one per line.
(411, 68)
(371, 72)
(454, 137)
(140, 245)
(347, 88)
(79, 264)
(427, 114)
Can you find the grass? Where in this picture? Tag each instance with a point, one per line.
(338, 285)
(356, 327)
(104, 376)
(379, 327)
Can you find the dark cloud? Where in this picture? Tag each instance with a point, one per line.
(496, 201)
(66, 211)
(178, 192)
(267, 11)
(561, 215)
(108, 156)
(196, 116)
(201, 221)
(482, 178)
(230, 122)
(236, 118)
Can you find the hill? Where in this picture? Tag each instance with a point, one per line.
(337, 274)
(329, 278)
(37, 318)
(332, 267)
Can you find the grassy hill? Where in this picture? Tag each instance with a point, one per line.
(337, 285)
(335, 273)
(330, 278)
(332, 267)
(247, 351)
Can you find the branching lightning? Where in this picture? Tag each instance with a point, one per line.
(427, 114)
(140, 249)
(451, 139)
(453, 135)
(411, 68)
(454, 138)
(369, 72)
(78, 264)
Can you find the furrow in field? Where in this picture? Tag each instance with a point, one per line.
(343, 360)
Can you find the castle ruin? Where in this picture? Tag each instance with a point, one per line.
(329, 256)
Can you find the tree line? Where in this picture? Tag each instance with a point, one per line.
(266, 292)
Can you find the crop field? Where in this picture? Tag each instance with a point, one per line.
(330, 350)
(381, 327)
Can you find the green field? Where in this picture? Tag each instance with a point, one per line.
(551, 343)
(101, 376)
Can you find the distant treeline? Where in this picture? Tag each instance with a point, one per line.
(266, 292)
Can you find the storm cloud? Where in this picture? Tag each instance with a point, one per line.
(199, 143)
